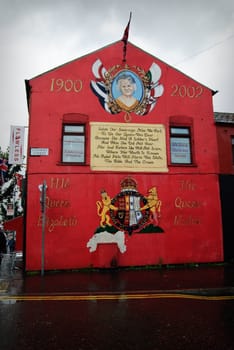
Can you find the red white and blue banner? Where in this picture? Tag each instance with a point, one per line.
(3, 170)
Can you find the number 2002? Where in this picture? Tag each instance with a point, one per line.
(67, 85)
(186, 91)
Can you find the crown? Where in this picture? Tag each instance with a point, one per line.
(128, 184)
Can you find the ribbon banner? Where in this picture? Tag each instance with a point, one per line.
(16, 145)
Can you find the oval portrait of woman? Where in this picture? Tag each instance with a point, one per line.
(127, 90)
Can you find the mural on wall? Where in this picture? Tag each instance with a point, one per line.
(128, 212)
(128, 147)
(127, 89)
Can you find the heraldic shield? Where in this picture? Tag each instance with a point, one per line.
(132, 213)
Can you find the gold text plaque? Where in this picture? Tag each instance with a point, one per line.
(128, 147)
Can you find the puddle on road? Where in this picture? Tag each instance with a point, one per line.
(4, 286)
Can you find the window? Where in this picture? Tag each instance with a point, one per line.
(233, 150)
(180, 145)
(73, 144)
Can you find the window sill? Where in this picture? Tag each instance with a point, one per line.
(194, 165)
(72, 164)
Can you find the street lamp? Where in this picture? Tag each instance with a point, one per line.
(42, 189)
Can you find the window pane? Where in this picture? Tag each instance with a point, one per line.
(180, 131)
(180, 150)
(74, 128)
(73, 148)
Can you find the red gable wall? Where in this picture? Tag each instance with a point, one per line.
(189, 195)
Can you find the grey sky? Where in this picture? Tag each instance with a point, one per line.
(196, 37)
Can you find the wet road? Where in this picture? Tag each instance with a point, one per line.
(124, 310)
(124, 323)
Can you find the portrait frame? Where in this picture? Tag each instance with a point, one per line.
(141, 102)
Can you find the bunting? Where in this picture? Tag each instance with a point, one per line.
(3, 170)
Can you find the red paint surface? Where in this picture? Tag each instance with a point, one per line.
(224, 134)
(190, 215)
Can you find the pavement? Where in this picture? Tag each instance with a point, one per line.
(213, 280)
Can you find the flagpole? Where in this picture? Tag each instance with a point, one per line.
(125, 38)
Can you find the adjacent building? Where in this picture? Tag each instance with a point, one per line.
(225, 137)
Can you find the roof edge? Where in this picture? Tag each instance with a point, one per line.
(113, 43)
(224, 118)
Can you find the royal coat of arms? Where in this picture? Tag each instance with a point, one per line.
(127, 213)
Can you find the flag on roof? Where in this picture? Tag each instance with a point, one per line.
(125, 38)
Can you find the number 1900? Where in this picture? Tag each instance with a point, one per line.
(66, 85)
